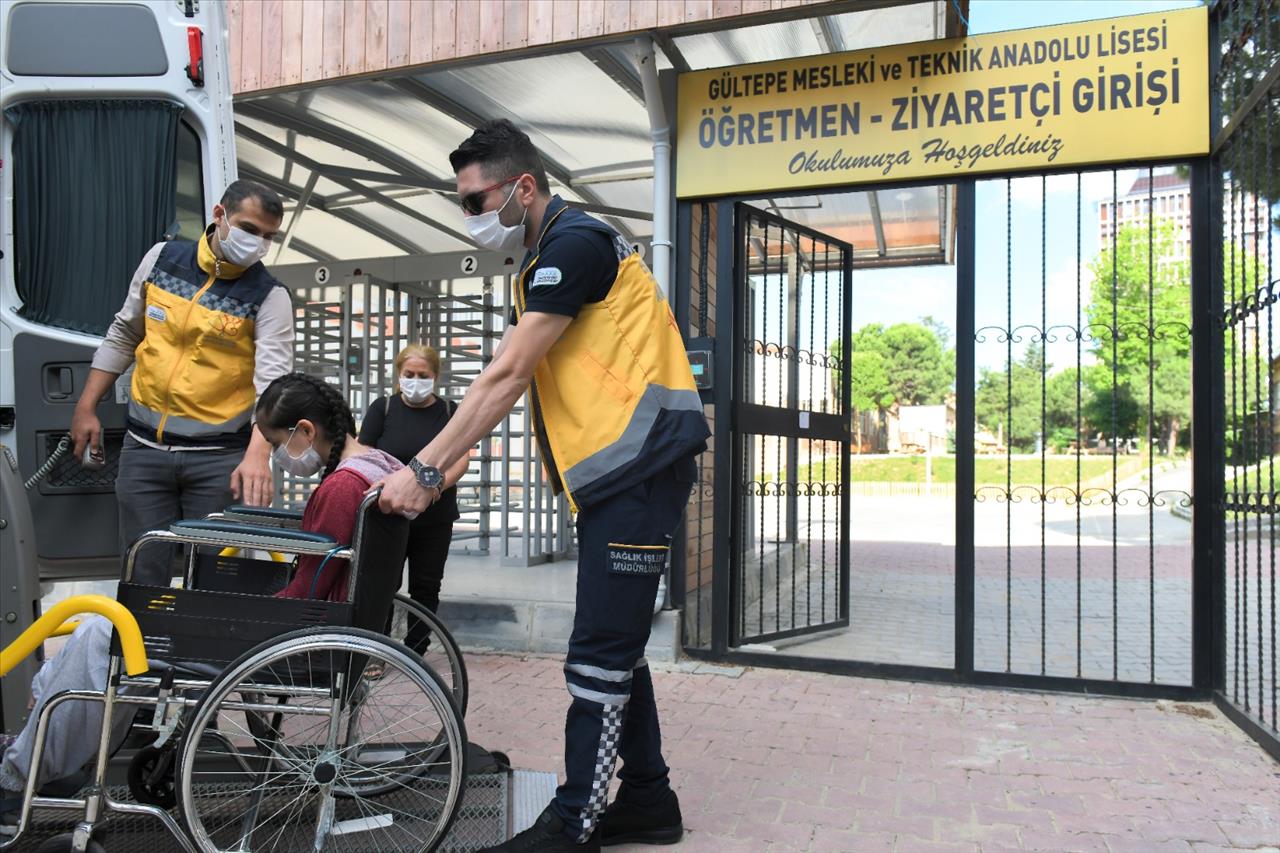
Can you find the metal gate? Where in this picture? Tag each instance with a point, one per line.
(790, 554)
(349, 328)
(1088, 573)
(1244, 200)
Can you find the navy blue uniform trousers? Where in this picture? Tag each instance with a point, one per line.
(623, 545)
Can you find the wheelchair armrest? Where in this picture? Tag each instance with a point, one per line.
(227, 533)
(263, 516)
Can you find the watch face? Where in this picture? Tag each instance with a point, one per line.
(428, 477)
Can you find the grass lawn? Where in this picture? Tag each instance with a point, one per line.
(1059, 470)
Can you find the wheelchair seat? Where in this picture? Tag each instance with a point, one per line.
(264, 537)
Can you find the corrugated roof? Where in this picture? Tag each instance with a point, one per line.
(369, 157)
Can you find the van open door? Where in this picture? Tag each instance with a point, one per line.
(115, 133)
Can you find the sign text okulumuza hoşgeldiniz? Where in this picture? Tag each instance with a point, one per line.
(1104, 91)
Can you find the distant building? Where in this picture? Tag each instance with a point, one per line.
(1169, 193)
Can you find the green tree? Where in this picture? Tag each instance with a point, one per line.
(905, 364)
(870, 338)
(1139, 311)
(1253, 55)
(869, 389)
(1112, 409)
(1060, 407)
(1019, 420)
(916, 365)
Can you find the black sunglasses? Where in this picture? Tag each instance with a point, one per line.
(473, 203)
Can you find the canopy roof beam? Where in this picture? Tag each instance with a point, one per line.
(618, 70)
(351, 184)
(433, 97)
(877, 222)
(829, 35)
(288, 117)
(313, 252)
(351, 217)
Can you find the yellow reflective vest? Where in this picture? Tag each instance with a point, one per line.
(193, 380)
(614, 398)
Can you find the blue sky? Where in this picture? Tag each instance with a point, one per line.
(893, 296)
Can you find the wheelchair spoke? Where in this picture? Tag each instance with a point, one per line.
(238, 817)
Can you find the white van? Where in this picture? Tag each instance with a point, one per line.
(115, 132)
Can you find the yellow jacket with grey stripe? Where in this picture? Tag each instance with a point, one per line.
(196, 343)
(614, 398)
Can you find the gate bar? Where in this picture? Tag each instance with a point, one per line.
(726, 361)
(966, 345)
(1208, 570)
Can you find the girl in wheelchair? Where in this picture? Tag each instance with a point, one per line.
(312, 430)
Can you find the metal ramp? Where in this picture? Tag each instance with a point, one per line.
(494, 806)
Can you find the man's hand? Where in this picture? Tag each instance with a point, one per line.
(251, 482)
(86, 430)
(402, 494)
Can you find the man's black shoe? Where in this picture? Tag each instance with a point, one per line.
(630, 819)
(547, 836)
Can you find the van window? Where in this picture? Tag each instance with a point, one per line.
(96, 184)
(191, 212)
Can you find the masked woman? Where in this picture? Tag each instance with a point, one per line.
(401, 425)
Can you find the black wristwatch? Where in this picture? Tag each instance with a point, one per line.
(427, 476)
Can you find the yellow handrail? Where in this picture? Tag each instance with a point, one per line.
(135, 654)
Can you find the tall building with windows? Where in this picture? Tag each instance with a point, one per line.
(1169, 193)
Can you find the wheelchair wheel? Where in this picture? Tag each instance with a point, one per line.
(65, 843)
(294, 747)
(151, 777)
(422, 631)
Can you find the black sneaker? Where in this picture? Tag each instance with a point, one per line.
(546, 834)
(631, 820)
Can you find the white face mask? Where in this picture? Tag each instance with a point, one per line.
(415, 389)
(240, 247)
(305, 464)
(489, 232)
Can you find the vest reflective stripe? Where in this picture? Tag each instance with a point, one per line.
(178, 425)
(627, 447)
(194, 374)
(614, 398)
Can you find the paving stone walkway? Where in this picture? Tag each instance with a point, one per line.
(773, 760)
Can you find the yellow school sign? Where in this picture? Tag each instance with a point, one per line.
(1132, 88)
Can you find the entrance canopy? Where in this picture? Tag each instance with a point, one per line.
(363, 164)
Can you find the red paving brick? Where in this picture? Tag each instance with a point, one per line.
(773, 760)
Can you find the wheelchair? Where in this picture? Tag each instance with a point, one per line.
(280, 724)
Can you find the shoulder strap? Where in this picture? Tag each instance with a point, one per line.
(386, 405)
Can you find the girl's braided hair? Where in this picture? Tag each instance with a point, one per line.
(295, 396)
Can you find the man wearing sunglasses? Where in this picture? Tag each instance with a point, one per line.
(619, 424)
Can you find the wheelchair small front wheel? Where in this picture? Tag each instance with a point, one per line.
(296, 748)
(65, 843)
(151, 777)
